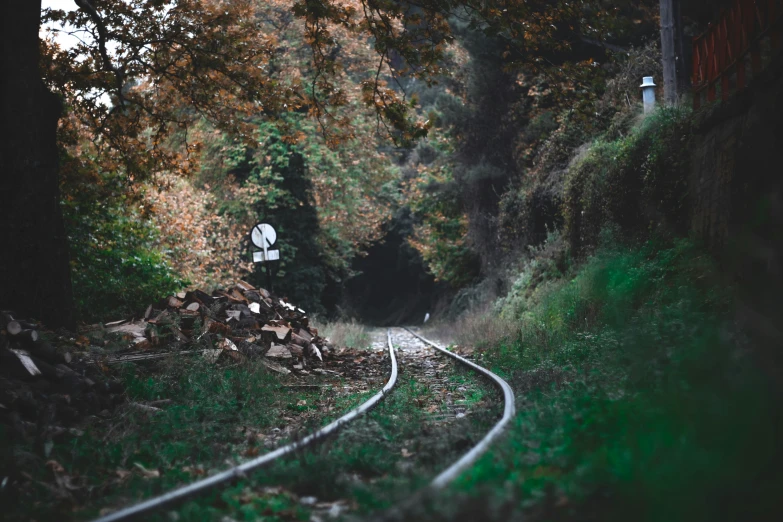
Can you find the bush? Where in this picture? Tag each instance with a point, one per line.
(115, 269)
(640, 398)
(638, 182)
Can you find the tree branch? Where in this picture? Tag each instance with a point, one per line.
(90, 10)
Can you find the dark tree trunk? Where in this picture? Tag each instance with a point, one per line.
(668, 52)
(34, 269)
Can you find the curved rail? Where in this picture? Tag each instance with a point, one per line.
(470, 457)
(237, 472)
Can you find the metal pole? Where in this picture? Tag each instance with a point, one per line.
(269, 275)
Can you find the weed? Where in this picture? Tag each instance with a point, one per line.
(347, 334)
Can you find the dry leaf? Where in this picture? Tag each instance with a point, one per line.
(251, 452)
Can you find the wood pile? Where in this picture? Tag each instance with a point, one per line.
(228, 325)
(43, 385)
(48, 381)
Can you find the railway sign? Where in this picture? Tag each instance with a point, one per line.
(264, 236)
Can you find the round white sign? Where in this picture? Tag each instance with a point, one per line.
(263, 235)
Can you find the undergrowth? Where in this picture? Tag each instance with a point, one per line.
(637, 400)
(346, 334)
(638, 181)
(218, 416)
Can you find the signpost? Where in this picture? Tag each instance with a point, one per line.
(264, 236)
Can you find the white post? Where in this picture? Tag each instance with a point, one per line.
(648, 94)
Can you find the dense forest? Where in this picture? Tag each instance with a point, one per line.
(486, 167)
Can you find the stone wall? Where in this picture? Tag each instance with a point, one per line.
(736, 192)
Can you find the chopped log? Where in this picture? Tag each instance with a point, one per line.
(230, 356)
(181, 295)
(251, 350)
(174, 302)
(151, 332)
(63, 370)
(299, 340)
(296, 351)
(274, 366)
(163, 318)
(226, 344)
(244, 286)
(303, 333)
(217, 327)
(27, 362)
(13, 328)
(246, 323)
(202, 297)
(278, 351)
(254, 296)
(5, 318)
(47, 370)
(283, 333)
(27, 337)
(193, 307)
(148, 312)
(27, 325)
(178, 333)
(129, 330)
(230, 298)
(188, 317)
(141, 343)
(255, 308)
(236, 294)
(315, 352)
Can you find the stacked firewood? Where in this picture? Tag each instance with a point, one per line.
(43, 384)
(232, 324)
(57, 381)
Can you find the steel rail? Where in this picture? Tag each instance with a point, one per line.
(240, 471)
(467, 460)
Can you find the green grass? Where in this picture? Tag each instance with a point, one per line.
(215, 415)
(364, 462)
(637, 400)
(212, 422)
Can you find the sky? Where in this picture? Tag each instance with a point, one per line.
(64, 40)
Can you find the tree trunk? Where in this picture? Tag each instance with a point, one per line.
(683, 54)
(34, 268)
(668, 53)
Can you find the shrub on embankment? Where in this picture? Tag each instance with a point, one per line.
(638, 398)
(637, 181)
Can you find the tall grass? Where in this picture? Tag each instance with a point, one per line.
(346, 334)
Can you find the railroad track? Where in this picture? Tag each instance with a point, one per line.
(443, 479)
